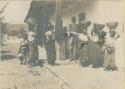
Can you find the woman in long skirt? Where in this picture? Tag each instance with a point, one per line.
(33, 49)
(32, 41)
(50, 46)
(95, 46)
(83, 45)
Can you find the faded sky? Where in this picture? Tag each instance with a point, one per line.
(16, 11)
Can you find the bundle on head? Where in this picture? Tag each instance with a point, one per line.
(98, 27)
(86, 24)
(112, 25)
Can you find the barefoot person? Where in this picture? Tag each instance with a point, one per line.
(72, 39)
(95, 45)
(23, 50)
(50, 45)
(32, 41)
(110, 47)
(83, 45)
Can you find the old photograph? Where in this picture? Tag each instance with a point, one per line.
(62, 44)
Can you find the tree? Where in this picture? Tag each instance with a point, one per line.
(1, 22)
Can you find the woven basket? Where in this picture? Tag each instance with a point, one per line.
(112, 25)
(98, 26)
(86, 24)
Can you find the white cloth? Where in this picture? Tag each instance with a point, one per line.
(31, 36)
(83, 38)
(110, 41)
(48, 33)
(23, 42)
(95, 38)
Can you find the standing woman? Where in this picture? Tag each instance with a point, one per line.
(65, 53)
(95, 45)
(50, 45)
(83, 45)
(32, 41)
(110, 47)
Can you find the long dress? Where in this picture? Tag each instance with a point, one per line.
(50, 48)
(33, 47)
(94, 51)
(64, 48)
(83, 50)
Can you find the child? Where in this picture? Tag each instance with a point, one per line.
(110, 49)
(23, 50)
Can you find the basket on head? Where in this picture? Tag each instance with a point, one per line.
(98, 26)
(112, 25)
(86, 24)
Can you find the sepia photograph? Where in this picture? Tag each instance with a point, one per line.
(62, 44)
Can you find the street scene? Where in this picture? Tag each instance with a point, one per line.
(62, 44)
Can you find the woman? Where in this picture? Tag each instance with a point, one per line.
(64, 48)
(50, 46)
(33, 48)
(95, 46)
(83, 45)
(110, 47)
(32, 41)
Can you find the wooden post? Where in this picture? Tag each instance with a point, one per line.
(58, 28)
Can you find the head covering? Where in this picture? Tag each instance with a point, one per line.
(112, 25)
(86, 24)
(98, 28)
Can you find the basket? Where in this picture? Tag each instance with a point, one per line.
(86, 24)
(112, 25)
(98, 26)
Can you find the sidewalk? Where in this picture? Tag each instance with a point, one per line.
(89, 78)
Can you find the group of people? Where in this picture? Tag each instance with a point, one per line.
(90, 47)
(94, 47)
(28, 51)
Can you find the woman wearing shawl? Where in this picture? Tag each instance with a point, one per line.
(95, 46)
(83, 45)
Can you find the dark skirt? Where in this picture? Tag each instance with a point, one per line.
(51, 52)
(83, 54)
(33, 52)
(95, 55)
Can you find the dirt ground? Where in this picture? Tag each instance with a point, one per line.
(64, 76)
